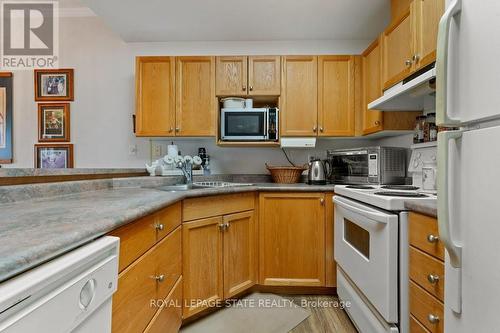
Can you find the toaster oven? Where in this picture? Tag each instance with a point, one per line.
(370, 165)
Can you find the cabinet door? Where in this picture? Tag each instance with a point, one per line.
(155, 96)
(299, 106)
(427, 14)
(264, 75)
(397, 50)
(231, 76)
(336, 95)
(202, 264)
(292, 239)
(239, 253)
(195, 106)
(372, 87)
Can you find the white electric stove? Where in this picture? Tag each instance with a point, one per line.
(371, 251)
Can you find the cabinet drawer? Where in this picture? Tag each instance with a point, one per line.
(137, 286)
(423, 268)
(198, 208)
(422, 228)
(416, 326)
(168, 318)
(422, 305)
(138, 237)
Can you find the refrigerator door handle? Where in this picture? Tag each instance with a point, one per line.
(443, 39)
(444, 221)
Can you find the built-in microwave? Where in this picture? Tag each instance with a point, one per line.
(256, 124)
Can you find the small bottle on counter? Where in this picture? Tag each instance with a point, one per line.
(418, 136)
(430, 129)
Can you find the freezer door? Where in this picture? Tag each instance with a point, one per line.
(467, 69)
(474, 203)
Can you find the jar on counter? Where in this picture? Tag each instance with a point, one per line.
(430, 129)
(418, 136)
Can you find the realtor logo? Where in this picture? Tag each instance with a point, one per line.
(29, 35)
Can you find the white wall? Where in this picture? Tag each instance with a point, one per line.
(101, 115)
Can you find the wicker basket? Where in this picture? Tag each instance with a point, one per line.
(285, 174)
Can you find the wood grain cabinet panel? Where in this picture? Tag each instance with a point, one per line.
(336, 95)
(195, 96)
(424, 235)
(264, 75)
(202, 264)
(139, 283)
(372, 87)
(197, 208)
(422, 266)
(427, 14)
(231, 76)
(397, 50)
(155, 96)
(292, 239)
(168, 318)
(299, 96)
(239, 253)
(422, 304)
(416, 326)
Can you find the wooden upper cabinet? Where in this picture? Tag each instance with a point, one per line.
(427, 14)
(292, 239)
(202, 264)
(299, 96)
(195, 97)
(336, 95)
(155, 96)
(264, 75)
(397, 50)
(372, 87)
(240, 260)
(231, 76)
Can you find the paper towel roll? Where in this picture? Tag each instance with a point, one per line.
(172, 150)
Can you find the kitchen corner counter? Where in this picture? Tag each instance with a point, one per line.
(38, 230)
(423, 207)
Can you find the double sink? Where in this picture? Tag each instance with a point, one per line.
(199, 185)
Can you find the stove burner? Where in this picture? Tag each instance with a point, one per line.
(360, 187)
(401, 194)
(400, 187)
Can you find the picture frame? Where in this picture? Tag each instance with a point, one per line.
(53, 156)
(54, 122)
(6, 118)
(54, 84)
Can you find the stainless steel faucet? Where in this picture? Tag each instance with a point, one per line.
(187, 170)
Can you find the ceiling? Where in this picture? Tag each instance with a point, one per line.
(242, 20)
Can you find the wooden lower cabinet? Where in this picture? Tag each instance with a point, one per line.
(202, 264)
(168, 318)
(292, 239)
(150, 277)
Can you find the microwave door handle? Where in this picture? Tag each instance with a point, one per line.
(453, 261)
(266, 126)
(443, 39)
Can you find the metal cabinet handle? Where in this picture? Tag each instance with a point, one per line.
(226, 226)
(433, 319)
(408, 62)
(159, 226)
(221, 226)
(171, 130)
(377, 122)
(415, 58)
(321, 129)
(322, 201)
(159, 278)
(432, 238)
(243, 88)
(177, 129)
(251, 88)
(432, 278)
(315, 128)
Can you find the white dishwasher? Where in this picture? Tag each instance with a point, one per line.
(71, 293)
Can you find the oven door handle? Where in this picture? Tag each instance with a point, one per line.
(366, 212)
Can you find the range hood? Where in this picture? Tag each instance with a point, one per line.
(410, 94)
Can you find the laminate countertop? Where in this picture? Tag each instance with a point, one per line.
(37, 230)
(427, 208)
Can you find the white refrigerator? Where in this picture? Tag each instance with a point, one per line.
(468, 96)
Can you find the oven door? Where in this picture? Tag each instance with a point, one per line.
(366, 248)
(241, 125)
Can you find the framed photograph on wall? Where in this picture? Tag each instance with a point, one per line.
(54, 84)
(53, 122)
(53, 156)
(6, 120)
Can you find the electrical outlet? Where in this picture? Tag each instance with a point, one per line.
(132, 150)
(156, 150)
